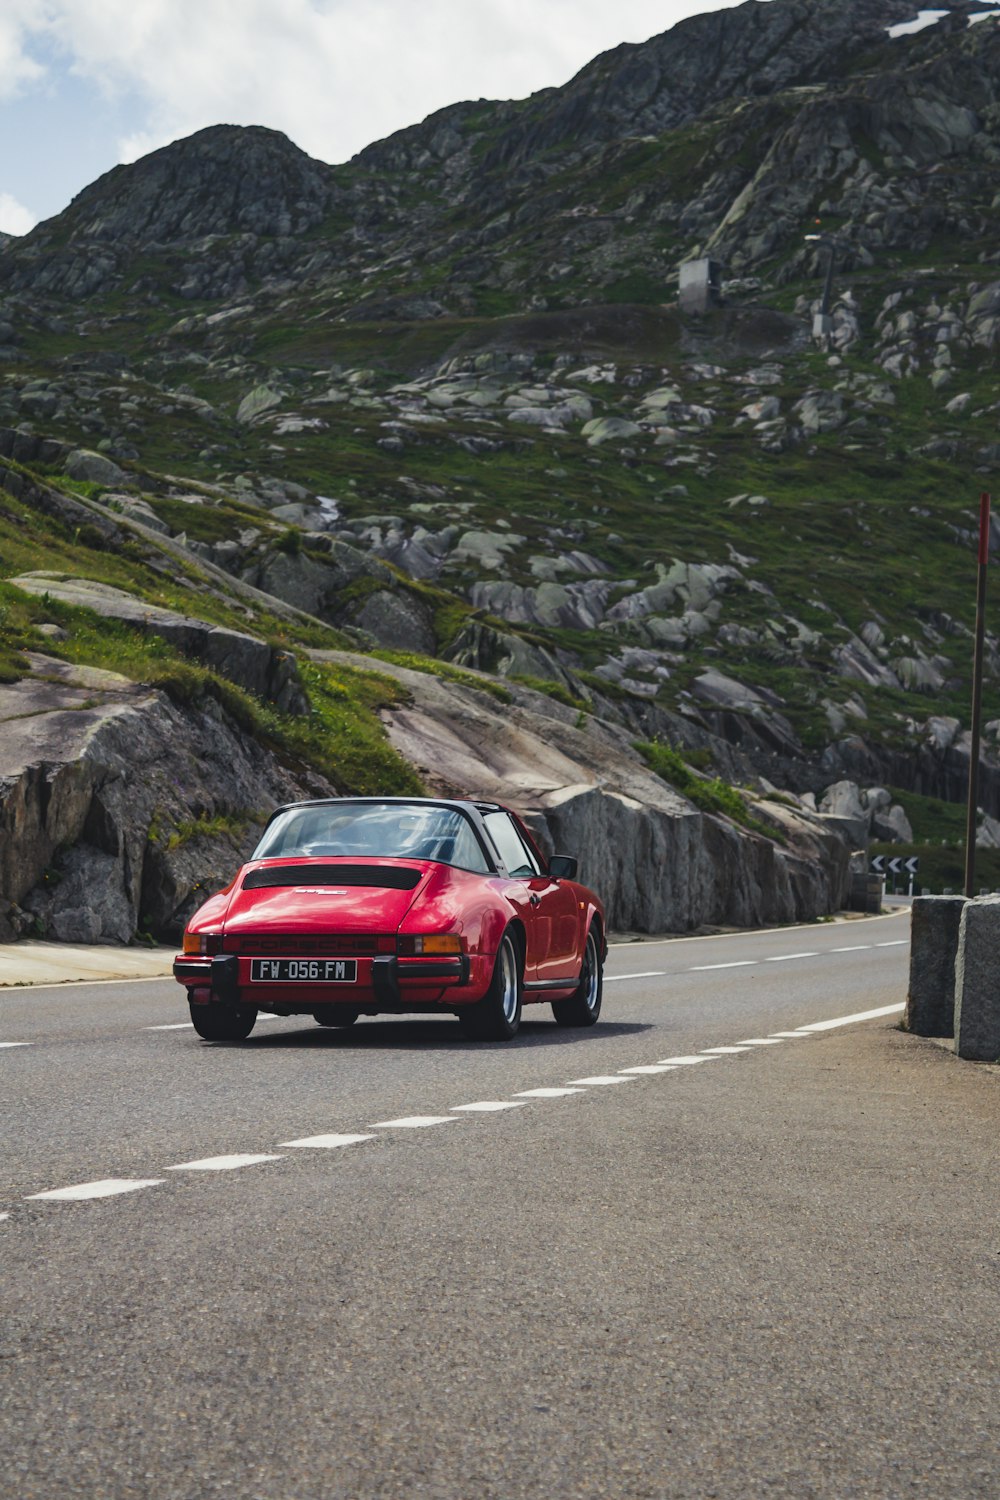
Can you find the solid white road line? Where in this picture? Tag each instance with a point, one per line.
(546, 1093)
(740, 963)
(109, 1187)
(783, 958)
(222, 1163)
(861, 1015)
(487, 1106)
(328, 1142)
(414, 1122)
(649, 974)
(600, 1080)
(743, 934)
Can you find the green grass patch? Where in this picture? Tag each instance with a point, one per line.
(709, 794)
(555, 690)
(444, 670)
(211, 826)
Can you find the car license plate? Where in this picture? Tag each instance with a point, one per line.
(304, 971)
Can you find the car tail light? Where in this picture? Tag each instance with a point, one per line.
(438, 942)
(202, 943)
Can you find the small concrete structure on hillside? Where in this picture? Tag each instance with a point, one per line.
(700, 286)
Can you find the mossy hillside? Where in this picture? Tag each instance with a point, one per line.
(33, 542)
(341, 737)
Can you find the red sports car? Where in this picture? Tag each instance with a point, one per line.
(368, 905)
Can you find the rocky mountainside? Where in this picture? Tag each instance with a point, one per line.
(441, 402)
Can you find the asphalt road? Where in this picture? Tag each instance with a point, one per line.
(644, 1266)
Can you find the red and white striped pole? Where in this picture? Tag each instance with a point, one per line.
(977, 697)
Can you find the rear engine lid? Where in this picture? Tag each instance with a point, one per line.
(323, 896)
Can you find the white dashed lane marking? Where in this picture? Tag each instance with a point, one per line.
(858, 948)
(600, 1080)
(684, 1062)
(415, 1122)
(17, 1044)
(223, 1163)
(788, 1036)
(546, 1093)
(741, 963)
(488, 1106)
(760, 1041)
(649, 974)
(328, 1142)
(723, 1051)
(108, 1187)
(650, 1068)
(896, 943)
(783, 958)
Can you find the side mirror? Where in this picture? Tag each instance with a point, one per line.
(563, 867)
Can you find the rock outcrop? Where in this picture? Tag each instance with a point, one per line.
(660, 864)
(110, 801)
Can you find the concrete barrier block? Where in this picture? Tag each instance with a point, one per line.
(935, 924)
(977, 981)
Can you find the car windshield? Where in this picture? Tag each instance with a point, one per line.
(398, 830)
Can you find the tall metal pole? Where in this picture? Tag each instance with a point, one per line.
(977, 697)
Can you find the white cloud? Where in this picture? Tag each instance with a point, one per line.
(14, 217)
(333, 74)
(19, 20)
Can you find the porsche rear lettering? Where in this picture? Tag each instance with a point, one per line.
(304, 971)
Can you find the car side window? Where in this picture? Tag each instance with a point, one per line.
(467, 854)
(510, 846)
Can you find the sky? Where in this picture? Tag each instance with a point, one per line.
(86, 84)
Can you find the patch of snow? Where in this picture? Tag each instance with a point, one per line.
(924, 19)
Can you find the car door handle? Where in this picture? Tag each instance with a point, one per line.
(535, 900)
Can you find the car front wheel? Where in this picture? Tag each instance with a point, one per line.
(583, 1007)
(497, 1016)
(223, 1023)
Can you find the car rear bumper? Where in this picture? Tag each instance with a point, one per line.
(383, 983)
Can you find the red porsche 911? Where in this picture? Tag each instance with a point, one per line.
(361, 906)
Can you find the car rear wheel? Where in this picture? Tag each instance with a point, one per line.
(223, 1023)
(583, 1007)
(497, 1016)
(335, 1015)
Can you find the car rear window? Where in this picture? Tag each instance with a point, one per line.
(390, 831)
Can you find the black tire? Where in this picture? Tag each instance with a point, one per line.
(497, 1016)
(583, 1007)
(335, 1015)
(223, 1023)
